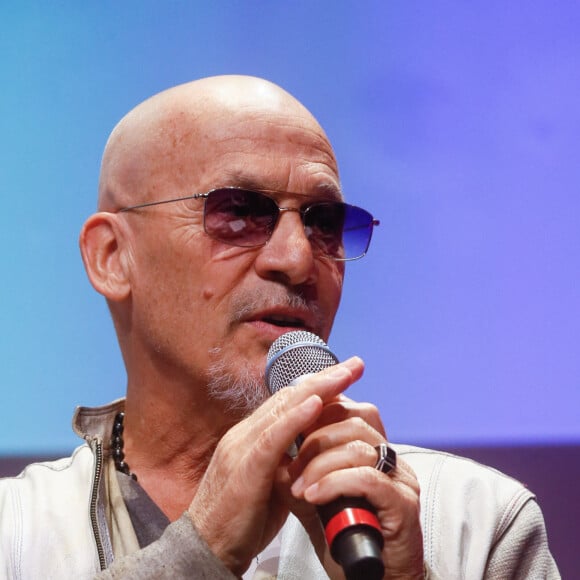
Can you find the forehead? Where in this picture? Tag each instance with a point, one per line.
(262, 150)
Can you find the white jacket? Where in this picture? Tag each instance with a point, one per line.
(55, 522)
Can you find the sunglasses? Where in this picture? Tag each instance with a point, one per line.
(247, 218)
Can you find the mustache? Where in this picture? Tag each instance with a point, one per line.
(246, 303)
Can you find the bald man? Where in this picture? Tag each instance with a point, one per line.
(221, 226)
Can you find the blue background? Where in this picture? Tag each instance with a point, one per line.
(455, 123)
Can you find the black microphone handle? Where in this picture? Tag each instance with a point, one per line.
(353, 535)
(356, 547)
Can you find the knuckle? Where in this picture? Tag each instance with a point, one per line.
(280, 402)
(264, 440)
(368, 475)
(373, 411)
(360, 428)
(358, 450)
(362, 450)
(357, 424)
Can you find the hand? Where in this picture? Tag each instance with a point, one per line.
(338, 458)
(238, 508)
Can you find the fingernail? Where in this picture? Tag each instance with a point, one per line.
(310, 404)
(311, 492)
(353, 361)
(297, 486)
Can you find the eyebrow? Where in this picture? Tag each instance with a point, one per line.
(328, 191)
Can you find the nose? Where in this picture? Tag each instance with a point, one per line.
(287, 257)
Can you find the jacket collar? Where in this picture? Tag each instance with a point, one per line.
(97, 422)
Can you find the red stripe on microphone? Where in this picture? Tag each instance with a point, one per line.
(349, 517)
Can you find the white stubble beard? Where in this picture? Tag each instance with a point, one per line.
(240, 390)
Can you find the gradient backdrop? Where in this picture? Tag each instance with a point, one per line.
(455, 123)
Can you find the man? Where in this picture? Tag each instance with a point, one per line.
(219, 229)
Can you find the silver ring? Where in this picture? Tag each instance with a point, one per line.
(387, 460)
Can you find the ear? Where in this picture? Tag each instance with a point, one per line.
(102, 251)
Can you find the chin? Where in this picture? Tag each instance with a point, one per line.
(241, 391)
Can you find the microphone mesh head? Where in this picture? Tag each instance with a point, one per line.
(294, 355)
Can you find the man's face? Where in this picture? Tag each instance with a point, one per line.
(202, 307)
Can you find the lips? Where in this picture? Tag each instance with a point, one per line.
(282, 320)
(267, 313)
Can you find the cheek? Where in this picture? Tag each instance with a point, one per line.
(224, 270)
(330, 290)
(331, 280)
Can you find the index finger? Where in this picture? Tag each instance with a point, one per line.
(276, 424)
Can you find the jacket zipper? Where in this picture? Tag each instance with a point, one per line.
(94, 501)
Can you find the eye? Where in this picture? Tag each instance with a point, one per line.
(235, 204)
(324, 225)
(326, 219)
(240, 217)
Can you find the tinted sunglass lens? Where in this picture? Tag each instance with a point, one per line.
(324, 226)
(339, 230)
(358, 227)
(240, 217)
(246, 218)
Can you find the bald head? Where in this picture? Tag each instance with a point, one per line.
(157, 146)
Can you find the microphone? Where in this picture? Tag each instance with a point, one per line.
(351, 527)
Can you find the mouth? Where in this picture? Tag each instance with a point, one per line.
(268, 313)
(272, 323)
(284, 321)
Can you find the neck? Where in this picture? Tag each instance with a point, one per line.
(169, 441)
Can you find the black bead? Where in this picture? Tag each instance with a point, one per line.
(118, 424)
(118, 454)
(117, 445)
(122, 466)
